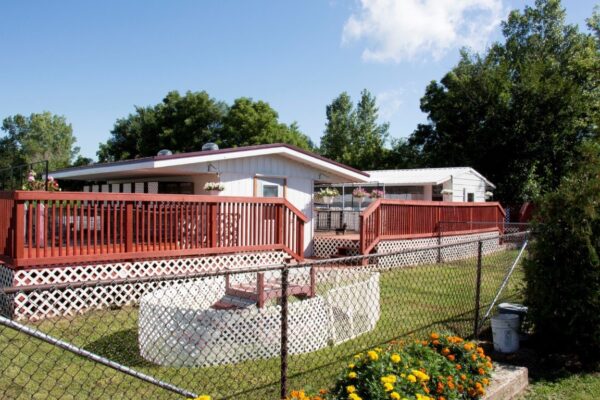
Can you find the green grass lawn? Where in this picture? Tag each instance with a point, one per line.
(413, 301)
(573, 387)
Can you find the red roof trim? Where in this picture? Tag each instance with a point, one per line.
(211, 152)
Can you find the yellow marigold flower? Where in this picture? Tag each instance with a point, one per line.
(351, 389)
(373, 355)
(203, 397)
(389, 379)
(421, 375)
(411, 378)
(469, 346)
(352, 375)
(388, 387)
(485, 381)
(395, 358)
(351, 366)
(354, 396)
(358, 356)
(394, 396)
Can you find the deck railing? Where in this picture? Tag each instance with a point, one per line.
(399, 219)
(48, 228)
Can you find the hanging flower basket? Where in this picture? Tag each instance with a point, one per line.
(360, 193)
(327, 195)
(377, 194)
(214, 188)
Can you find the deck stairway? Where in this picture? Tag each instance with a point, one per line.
(241, 295)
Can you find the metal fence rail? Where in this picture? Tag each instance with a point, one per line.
(253, 333)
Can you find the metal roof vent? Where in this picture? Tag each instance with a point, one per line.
(164, 152)
(210, 146)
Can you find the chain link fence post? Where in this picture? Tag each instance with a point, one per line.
(477, 291)
(284, 330)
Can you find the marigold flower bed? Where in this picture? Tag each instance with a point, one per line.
(445, 367)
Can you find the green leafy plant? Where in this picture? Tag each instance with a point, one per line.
(562, 271)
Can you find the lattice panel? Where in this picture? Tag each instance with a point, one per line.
(326, 246)
(6, 279)
(177, 330)
(491, 243)
(50, 303)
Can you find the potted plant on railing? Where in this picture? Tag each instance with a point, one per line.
(446, 192)
(360, 194)
(377, 194)
(32, 184)
(327, 195)
(214, 188)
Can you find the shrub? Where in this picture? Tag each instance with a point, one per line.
(444, 367)
(562, 270)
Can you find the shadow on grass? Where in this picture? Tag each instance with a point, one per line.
(121, 347)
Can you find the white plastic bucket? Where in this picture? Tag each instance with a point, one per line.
(505, 331)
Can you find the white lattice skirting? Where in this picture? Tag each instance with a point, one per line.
(490, 244)
(177, 328)
(64, 302)
(326, 246)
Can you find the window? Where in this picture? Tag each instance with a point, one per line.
(270, 190)
(269, 186)
(470, 197)
(176, 187)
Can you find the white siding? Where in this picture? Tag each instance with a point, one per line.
(238, 177)
(468, 183)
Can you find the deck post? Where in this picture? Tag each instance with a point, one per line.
(279, 224)
(260, 288)
(213, 225)
(19, 230)
(129, 227)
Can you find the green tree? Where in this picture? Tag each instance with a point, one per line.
(37, 137)
(183, 123)
(251, 122)
(341, 122)
(352, 134)
(562, 270)
(179, 123)
(518, 112)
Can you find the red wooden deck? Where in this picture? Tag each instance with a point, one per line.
(43, 228)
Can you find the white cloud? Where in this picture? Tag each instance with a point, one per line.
(389, 103)
(397, 30)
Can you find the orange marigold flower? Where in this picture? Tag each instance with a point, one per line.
(434, 336)
(463, 377)
(445, 351)
(451, 386)
(458, 367)
(435, 342)
(473, 357)
(485, 381)
(451, 357)
(481, 371)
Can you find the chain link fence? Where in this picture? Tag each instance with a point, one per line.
(252, 333)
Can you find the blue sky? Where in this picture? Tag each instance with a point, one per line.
(93, 61)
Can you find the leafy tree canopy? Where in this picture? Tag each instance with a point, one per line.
(183, 123)
(352, 134)
(518, 112)
(37, 137)
(562, 269)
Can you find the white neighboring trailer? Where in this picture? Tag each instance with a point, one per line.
(462, 184)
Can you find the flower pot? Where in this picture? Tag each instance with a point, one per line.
(214, 192)
(327, 199)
